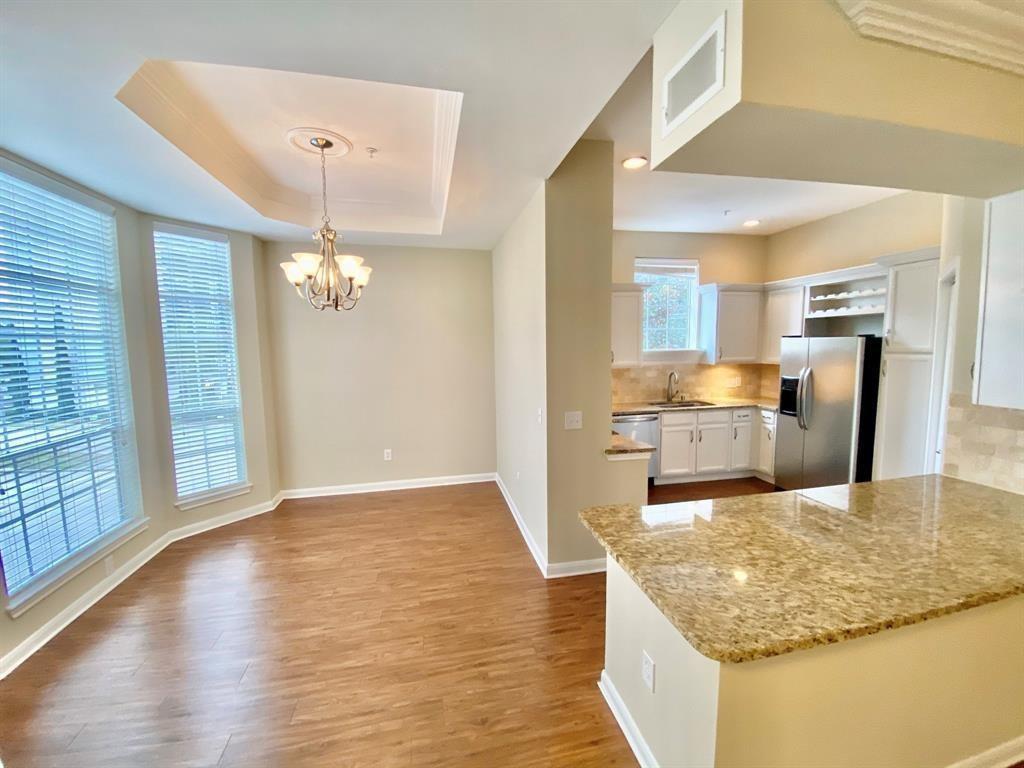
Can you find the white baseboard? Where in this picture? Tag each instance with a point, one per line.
(40, 637)
(1000, 756)
(634, 738)
(575, 568)
(387, 485)
(531, 543)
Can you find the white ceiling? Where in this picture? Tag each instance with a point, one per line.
(533, 76)
(235, 122)
(663, 201)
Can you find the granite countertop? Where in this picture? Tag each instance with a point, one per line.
(622, 444)
(748, 577)
(718, 402)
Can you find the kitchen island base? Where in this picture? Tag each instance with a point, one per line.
(935, 693)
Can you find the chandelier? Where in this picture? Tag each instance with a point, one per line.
(327, 279)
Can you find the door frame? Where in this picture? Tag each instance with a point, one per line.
(942, 364)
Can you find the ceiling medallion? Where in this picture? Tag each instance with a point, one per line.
(326, 279)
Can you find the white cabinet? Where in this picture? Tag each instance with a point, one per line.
(901, 437)
(627, 325)
(999, 358)
(730, 321)
(714, 441)
(678, 450)
(910, 309)
(783, 316)
(742, 440)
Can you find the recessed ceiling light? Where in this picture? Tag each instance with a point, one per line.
(632, 163)
(751, 223)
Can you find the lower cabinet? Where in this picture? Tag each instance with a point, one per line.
(707, 442)
(901, 434)
(678, 450)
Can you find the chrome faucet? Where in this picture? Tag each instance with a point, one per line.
(673, 386)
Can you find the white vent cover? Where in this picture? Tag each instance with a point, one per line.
(698, 76)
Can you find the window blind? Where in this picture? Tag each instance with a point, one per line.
(68, 471)
(200, 357)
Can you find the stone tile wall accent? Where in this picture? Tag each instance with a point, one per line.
(643, 384)
(984, 444)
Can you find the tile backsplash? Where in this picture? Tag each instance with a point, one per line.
(984, 444)
(642, 384)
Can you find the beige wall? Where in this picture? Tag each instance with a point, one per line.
(859, 236)
(723, 258)
(145, 360)
(963, 221)
(520, 380)
(412, 369)
(578, 262)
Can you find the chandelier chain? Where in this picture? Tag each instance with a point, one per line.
(323, 185)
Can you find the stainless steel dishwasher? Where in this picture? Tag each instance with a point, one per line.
(642, 427)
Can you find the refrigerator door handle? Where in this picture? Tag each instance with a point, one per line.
(800, 399)
(807, 400)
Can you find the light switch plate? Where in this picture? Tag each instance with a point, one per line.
(574, 419)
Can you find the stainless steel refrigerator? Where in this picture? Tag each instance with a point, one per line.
(828, 395)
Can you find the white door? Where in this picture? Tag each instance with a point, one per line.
(766, 450)
(910, 311)
(677, 450)
(714, 444)
(901, 440)
(739, 320)
(783, 316)
(627, 319)
(740, 457)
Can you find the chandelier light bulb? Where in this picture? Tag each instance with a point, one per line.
(349, 265)
(362, 277)
(308, 262)
(293, 272)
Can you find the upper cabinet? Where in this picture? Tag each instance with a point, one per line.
(910, 308)
(730, 319)
(627, 324)
(783, 316)
(999, 359)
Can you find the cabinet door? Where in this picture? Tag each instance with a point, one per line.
(739, 320)
(999, 356)
(627, 319)
(678, 444)
(714, 443)
(910, 310)
(766, 450)
(740, 457)
(901, 438)
(783, 316)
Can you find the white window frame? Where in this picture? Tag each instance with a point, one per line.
(30, 593)
(691, 354)
(221, 493)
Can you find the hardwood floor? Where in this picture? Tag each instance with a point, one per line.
(394, 629)
(711, 489)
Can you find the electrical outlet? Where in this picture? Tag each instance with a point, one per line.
(733, 383)
(387, 454)
(574, 419)
(647, 672)
(517, 475)
(108, 564)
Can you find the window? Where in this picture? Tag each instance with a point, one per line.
(670, 303)
(69, 479)
(197, 316)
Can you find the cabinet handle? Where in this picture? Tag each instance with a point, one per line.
(719, 353)
(883, 367)
(734, 434)
(769, 436)
(691, 435)
(700, 435)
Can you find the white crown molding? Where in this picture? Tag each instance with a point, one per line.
(971, 30)
(447, 109)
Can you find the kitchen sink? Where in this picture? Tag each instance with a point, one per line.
(683, 404)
